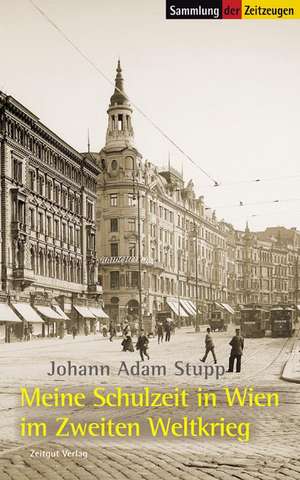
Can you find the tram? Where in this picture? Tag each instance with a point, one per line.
(283, 319)
(254, 321)
(217, 322)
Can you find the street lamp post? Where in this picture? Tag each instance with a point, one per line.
(296, 280)
(197, 327)
(136, 194)
(178, 287)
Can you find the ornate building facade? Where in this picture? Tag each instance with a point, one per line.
(186, 255)
(266, 266)
(47, 219)
(181, 243)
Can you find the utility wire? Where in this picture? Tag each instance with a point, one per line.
(243, 204)
(111, 82)
(256, 180)
(263, 214)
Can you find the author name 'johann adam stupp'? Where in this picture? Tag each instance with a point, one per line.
(179, 368)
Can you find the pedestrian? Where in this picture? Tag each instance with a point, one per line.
(104, 331)
(160, 333)
(133, 330)
(209, 346)
(112, 331)
(126, 329)
(127, 344)
(237, 347)
(74, 331)
(26, 333)
(168, 330)
(142, 345)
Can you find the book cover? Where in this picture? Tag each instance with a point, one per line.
(150, 242)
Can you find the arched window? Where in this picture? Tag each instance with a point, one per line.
(65, 270)
(32, 260)
(41, 263)
(50, 273)
(72, 279)
(57, 267)
(78, 272)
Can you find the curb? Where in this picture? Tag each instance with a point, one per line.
(291, 370)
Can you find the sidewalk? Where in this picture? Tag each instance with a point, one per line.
(291, 370)
(68, 338)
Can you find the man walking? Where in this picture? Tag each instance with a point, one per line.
(237, 347)
(74, 331)
(142, 345)
(209, 346)
(168, 330)
(112, 331)
(160, 332)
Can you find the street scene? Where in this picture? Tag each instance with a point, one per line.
(272, 452)
(149, 245)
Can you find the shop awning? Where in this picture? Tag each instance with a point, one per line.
(48, 312)
(84, 311)
(98, 312)
(28, 313)
(228, 308)
(219, 305)
(174, 307)
(7, 314)
(186, 305)
(193, 307)
(60, 312)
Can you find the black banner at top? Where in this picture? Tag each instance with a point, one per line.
(193, 9)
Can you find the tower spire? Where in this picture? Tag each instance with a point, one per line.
(119, 132)
(119, 97)
(119, 81)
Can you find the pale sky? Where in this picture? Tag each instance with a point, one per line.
(227, 92)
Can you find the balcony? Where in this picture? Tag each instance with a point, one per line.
(95, 288)
(18, 227)
(23, 276)
(130, 233)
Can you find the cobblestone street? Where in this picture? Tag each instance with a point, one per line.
(271, 453)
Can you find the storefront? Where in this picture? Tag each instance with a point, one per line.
(101, 319)
(33, 323)
(54, 323)
(11, 327)
(181, 315)
(66, 320)
(83, 319)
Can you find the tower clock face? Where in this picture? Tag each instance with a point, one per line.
(114, 165)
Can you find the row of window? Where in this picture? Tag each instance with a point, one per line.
(265, 257)
(132, 249)
(61, 196)
(55, 267)
(158, 284)
(47, 156)
(114, 225)
(164, 236)
(169, 216)
(55, 228)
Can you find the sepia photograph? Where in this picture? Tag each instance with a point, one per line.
(149, 240)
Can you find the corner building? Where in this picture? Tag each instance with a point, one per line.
(183, 247)
(47, 222)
